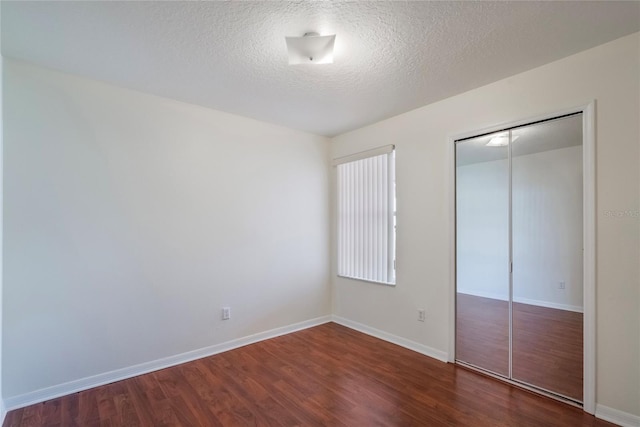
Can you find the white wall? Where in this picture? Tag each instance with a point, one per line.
(547, 229)
(610, 74)
(130, 220)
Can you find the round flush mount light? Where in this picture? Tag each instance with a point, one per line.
(311, 48)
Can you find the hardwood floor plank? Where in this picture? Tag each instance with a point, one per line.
(51, 412)
(88, 407)
(13, 418)
(126, 414)
(106, 406)
(190, 404)
(158, 406)
(371, 378)
(68, 409)
(324, 376)
(239, 370)
(224, 408)
(141, 399)
(318, 393)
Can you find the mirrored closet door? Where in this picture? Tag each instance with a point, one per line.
(482, 220)
(519, 255)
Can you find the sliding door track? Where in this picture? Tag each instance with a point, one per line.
(520, 384)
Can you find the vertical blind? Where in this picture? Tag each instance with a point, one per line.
(366, 216)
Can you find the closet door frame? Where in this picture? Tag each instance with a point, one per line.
(588, 111)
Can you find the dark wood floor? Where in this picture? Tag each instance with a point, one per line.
(547, 343)
(324, 376)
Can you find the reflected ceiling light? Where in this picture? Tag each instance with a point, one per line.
(501, 140)
(311, 48)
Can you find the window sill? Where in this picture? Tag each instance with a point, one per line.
(392, 284)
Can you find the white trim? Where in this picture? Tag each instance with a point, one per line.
(588, 111)
(363, 155)
(589, 255)
(452, 250)
(64, 389)
(616, 416)
(394, 339)
(3, 409)
(510, 231)
(529, 301)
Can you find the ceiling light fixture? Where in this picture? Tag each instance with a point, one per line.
(311, 48)
(501, 140)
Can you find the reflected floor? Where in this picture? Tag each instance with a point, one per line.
(547, 343)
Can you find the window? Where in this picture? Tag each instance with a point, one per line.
(366, 215)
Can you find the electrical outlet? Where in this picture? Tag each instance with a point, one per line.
(560, 285)
(226, 313)
(421, 315)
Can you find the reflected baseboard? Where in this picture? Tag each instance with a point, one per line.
(529, 301)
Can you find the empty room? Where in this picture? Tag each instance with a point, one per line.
(320, 213)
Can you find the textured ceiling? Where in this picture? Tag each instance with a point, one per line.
(391, 57)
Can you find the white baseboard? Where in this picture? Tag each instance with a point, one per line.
(615, 416)
(386, 336)
(539, 303)
(74, 386)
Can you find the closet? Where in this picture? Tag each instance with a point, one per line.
(519, 255)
